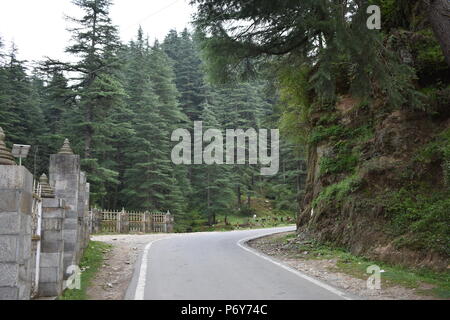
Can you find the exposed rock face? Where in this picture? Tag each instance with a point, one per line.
(358, 219)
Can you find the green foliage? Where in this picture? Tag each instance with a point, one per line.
(420, 218)
(294, 103)
(97, 117)
(192, 221)
(322, 133)
(247, 211)
(437, 100)
(420, 212)
(344, 156)
(22, 100)
(331, 39)
(189, 75)
(150, 180)
(438, 150)
(91, 262)
(429, 56)
(356, 266)
(340, 134)
(345, 161)
(400, 13)
(335, 193)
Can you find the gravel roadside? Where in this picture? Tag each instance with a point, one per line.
(323, 270)
(112, 280)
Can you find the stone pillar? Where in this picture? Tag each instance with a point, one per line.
(65, 179)
(52, 242)
(16, 199)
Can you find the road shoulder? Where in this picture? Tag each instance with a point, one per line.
(326, 270)
(115, 275)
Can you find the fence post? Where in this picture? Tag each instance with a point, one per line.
(119, 222)
(151, 222)
(169, 222)
(144, 214)
(125, 221)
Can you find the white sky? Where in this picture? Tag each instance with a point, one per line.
(38, 27)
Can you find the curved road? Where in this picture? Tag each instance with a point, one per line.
(219, 266)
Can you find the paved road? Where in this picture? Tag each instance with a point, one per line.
(218, 266)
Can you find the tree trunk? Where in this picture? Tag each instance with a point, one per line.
(88, 117)
(239, 203)
(211, 217)
(249, 193)
(439, 17)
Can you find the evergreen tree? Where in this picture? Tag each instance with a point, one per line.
(213, 189)
(151, 180)
(15, 98)
(119, 106)
(100, 115)
(332, 36)
(240, 106)
(177, 186)
(188, 71)
(20, 107)
(58, 99)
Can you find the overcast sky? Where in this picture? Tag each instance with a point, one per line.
(38, 27)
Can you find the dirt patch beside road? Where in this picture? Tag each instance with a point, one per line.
(327, 270)
(113, 278)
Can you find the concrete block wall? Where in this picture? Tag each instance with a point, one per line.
(52, 248)
(16, 200)
(65, 225)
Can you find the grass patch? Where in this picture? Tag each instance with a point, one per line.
(345, 154)
(338, 191)
(420, 218)
(343, 162)
(243, 222)
(425, 281)
(91, 262)
(322, 133)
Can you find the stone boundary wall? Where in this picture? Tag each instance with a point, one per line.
(42, 233)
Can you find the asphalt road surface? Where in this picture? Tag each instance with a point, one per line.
(219, 266)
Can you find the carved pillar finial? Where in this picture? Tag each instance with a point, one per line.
(46, 190)
(66, 149)
(6, 157)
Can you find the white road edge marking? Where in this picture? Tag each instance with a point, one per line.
(241, 243)
(140, 286)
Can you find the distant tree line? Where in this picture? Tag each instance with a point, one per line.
(119, 103)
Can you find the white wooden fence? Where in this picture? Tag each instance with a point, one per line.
(108, 221)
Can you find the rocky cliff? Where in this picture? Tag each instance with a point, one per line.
(378, 181)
